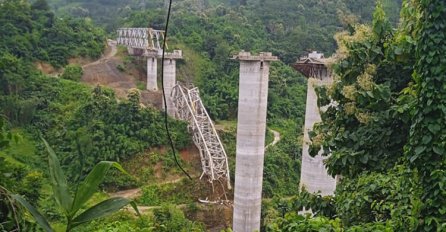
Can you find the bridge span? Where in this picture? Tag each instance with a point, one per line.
(182, 103)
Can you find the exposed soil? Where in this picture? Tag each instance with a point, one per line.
(191, 154)
(105, 72)
(154, 99)
(47, 69)
(84, 61)
(130, 193)
(215, 215)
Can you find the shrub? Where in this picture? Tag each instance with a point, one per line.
(120, 67)
(294, 222)
(84, 192)
(72, 72)
(379, 197)
(170, 218)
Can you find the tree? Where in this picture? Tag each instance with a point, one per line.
(72, 72)
(84, 191)
(385, 131)
(367, 129)
(40, 5)
(5, 135)
(426, 150)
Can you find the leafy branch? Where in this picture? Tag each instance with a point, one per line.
(85, 190)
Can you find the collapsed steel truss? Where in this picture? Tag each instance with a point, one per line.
(190, 108)
(142, 38)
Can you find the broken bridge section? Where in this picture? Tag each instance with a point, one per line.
(314, 176)
(182, 103)
(190, 108)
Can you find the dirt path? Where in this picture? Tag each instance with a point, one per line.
(130, 193)
(276, 138)
(105, 72)
(111, 53)
(137, 192)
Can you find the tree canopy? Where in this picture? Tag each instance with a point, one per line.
(381, 130)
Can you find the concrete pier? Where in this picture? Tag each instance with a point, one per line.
(314, 176)
(130, 51)
(152, 82)
(169, 83)
(252, 105)
(170, 78)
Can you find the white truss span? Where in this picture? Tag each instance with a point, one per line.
(142, 38)
(190, 108)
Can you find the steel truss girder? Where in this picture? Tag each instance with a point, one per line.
(190, 108)
(142, 38)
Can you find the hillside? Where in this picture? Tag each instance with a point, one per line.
(63, 80)
(288, 28)
(83, 124)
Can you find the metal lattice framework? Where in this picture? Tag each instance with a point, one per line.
(190, 108)
(142, 38)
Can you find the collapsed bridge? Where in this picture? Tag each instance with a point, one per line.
(314, 176)
(190, 108)
(182, 103)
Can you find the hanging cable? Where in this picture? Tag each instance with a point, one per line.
(169, 136)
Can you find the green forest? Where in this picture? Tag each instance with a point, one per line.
(79, 155)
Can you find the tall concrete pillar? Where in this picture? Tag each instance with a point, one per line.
(169, 83)
(314, 176)
(152, 83)
(170, 78)
(251, 125)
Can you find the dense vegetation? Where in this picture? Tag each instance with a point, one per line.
(281, 22)
(383, 135)
(33, 33)
(72, 205)
(82, 124)
(266, 26)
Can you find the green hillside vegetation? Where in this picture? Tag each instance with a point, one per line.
(253, 26)
(84, 125)
(277, 23)
(383, 135)
(32, 32)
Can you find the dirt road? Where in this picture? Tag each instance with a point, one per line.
(276, 138)
(105, 72)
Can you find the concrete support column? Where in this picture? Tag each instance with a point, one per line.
(169, 83)
(152, 83)
(131, 51)
(251, 125)
(314, 176)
